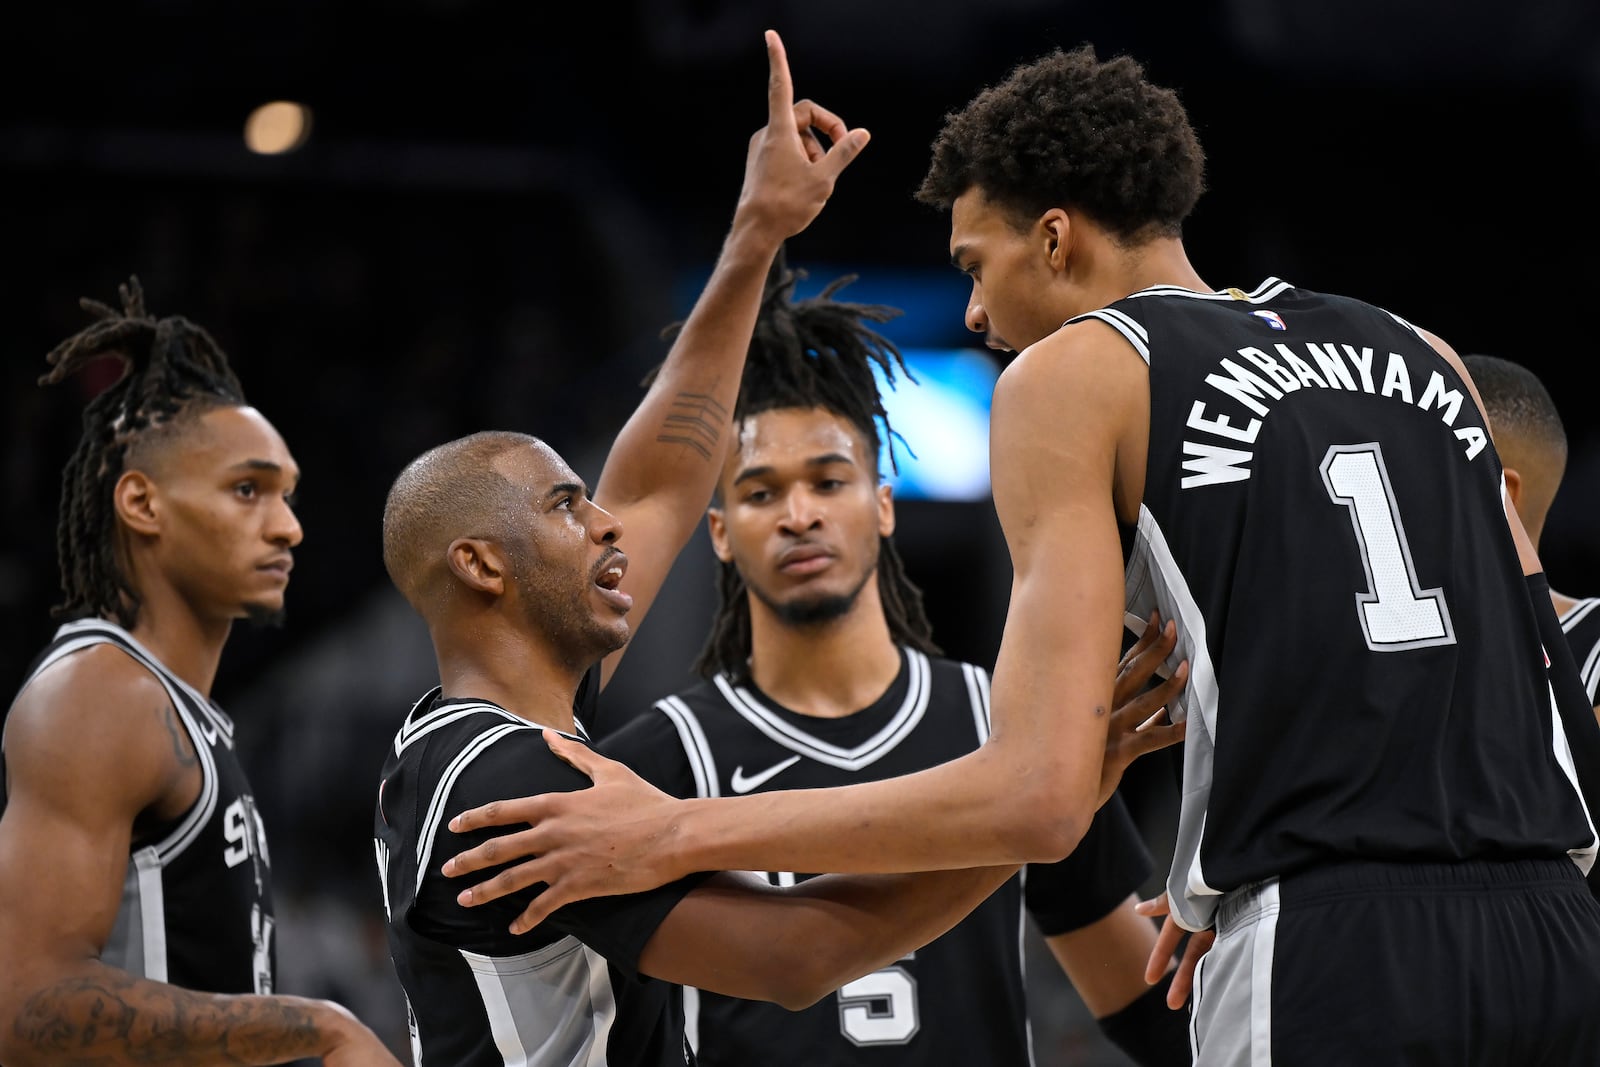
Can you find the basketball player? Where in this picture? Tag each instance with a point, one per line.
(1378, 798)
(527, 594)
(1532, 444)
(136, 921)
(810, 576)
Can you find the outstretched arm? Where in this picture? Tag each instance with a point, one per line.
(659, 474)
(1024, 795)
(79, 771)
(739, 936)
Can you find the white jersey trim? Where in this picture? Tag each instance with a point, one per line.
(1589, 669)
(696, 747)
(85, 633)
(1130, 330)
(1261, 293)
(447, 781)
(795, 739)
(978, 693)
(532, 1028)
(1154, 581)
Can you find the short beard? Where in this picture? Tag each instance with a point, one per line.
(265, 618)
(816, 611)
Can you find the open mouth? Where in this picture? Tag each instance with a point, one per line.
(608, 576)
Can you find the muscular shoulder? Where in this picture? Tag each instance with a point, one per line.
(95, 716)
(1071, 412)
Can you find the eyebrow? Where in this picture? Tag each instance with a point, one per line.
(815, 461)
(956, 255)
(265, 466)
(562, 488)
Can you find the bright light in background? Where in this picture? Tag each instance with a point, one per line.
(279, 127)
(944, 419)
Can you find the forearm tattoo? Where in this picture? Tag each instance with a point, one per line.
(696, 420)
(117, 1019)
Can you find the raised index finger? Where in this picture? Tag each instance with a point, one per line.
(780, 87)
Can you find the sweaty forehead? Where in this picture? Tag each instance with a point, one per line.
(793, 435)
(534, 467)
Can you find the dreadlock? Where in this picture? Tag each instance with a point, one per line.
(171, 368)
(817, 353)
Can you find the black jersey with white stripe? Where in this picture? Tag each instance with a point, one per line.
(1581, 624)
(1323, 516)
(960, 999)
(566, 994)
(196, 908)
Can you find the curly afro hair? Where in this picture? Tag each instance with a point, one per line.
(1070, 130)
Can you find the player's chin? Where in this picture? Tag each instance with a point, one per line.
(612, 633)
(264, 612)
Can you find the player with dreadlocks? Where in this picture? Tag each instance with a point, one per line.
(135, 907)
(820, 670)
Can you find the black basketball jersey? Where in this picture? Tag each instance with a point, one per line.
(960, 999)
(196, 906)
(1581, 624)
(1323, 516)
(567, 994)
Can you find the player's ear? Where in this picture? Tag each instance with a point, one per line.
(1056, 232)
(1514, 488)
(717, 527)
(137, 501)
(885, 511)
(478, 563)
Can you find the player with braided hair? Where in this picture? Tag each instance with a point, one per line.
(135, 901)
(821, 670)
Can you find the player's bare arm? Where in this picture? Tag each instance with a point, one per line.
(661, 471)
(622, 835)
(99, 718)
(1106, 960)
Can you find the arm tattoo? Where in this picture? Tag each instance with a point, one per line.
(115, 1018)
(695, 420)
(187, 756)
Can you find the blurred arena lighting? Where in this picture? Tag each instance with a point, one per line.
(277, 127)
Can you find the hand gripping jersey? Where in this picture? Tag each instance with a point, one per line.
(196, 906)
(1322, 514)
(958, 1000)
(567, 994)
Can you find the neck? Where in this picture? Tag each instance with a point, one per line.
(1162, 261)
(187, 644)
(489, 660)
(861, 657)
(1562, 602)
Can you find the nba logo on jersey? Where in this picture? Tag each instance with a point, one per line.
(1270, 318)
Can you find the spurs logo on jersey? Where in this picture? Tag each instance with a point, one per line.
(957, 1000)
(1354, 460)
(196, 906)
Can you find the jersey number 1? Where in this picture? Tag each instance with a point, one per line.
(1395, 613)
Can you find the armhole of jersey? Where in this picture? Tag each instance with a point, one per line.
(1408, 326)
(696, 749)
(183, 830)
(1124, 324)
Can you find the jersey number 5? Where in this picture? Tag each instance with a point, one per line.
(1395, 613)
(880, 1009)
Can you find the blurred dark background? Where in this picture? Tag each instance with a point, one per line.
(499, 206)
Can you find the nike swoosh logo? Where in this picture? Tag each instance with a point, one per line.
(741, 784)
